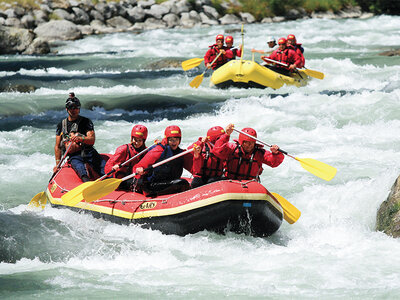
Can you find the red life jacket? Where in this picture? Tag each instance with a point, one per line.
(211, 54)
(212, 165)
(243, 166)
(299, 51)
(122, 154)
(287, 56)
(232, 52)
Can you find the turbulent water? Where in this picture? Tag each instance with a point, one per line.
(350, 120)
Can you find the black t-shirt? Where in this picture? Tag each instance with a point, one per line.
(84, 125)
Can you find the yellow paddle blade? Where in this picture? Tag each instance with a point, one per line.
(74, 196)
(315, 74)
(100, 189)
(195, 83)
(191, 63)
(40, 199)
(290, 213)
(318, 168)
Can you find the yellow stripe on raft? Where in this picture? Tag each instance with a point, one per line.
(253, 72)
(171, 211)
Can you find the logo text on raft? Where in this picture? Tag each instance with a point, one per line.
(148, 205)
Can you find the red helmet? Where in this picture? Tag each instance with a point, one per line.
(282, 41)
(173, 131)
(229, 39)
(214, 133)
(243, 137)
(291, 37)
(219, 37)
(139, 131)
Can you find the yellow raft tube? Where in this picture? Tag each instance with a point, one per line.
(247, 74)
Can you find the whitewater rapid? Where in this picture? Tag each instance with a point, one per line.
(350, 120)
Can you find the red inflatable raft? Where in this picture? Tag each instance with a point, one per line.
(239, 206)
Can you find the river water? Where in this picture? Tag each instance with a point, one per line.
(350, 120)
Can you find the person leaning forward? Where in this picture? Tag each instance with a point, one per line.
(126, 152)
(79, 131)
(207, 167)
(283, 55)
(213, 52)
(244, 158)
(166, 178)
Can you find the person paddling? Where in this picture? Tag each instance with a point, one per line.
(271, 45)
(244, 158)
(284, 55)
(292, 44)
(212, 53)
(207, 167)
(164, 179)
(125, 152)
(232, 52)
(79, 131)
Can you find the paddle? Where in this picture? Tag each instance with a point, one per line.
(290, 213)
(313, 166)
(195, 83)
(191, 63)
(77, 191)
(41, 198)
(98, 189)
(311, 73)
(241, 53)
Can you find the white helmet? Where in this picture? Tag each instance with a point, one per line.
(271, 39)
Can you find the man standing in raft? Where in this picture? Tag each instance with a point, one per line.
(244, 158)
(284, 55)
(125, 152)
(207, 167)
(164, 179)
(212, 53)
(79, 131)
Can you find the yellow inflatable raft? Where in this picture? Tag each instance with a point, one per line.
(247, 73)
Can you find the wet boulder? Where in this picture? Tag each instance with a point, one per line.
(58, 30)
(38, 46)
(14, 40)
(388, 217)
(21, 88)
(390, 53)
(165, 64)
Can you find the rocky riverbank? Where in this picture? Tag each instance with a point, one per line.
(32, 30)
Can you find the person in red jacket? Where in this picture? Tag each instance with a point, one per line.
(207, 167)
(164, 179)
(244, 158)
(125, 152)
(212, 53)
(284, 55)
(232, 52)
(292, 44)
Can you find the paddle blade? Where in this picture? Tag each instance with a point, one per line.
(195, 83)
(100, 189)
(191, 63)
(318, 168)
(315, 74)
(75, 196)
(40, 199)
(290, 213)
